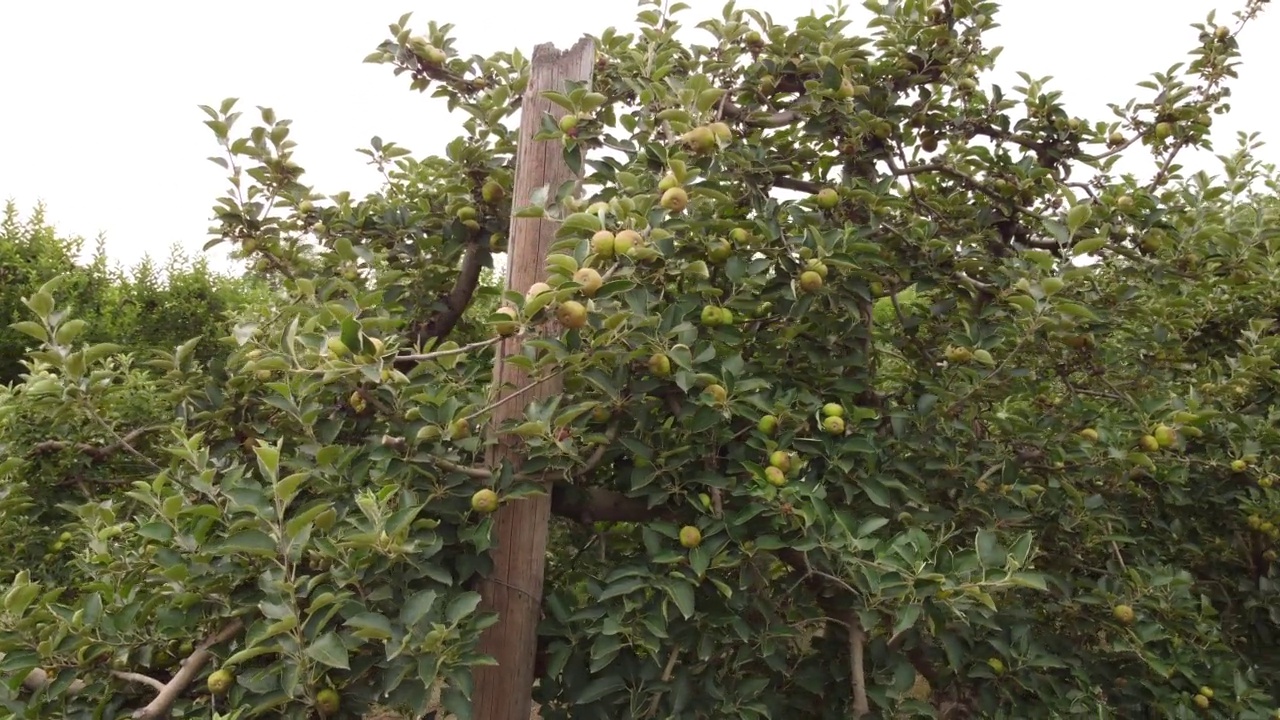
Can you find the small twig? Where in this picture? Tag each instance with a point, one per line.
(511, 396)
(423, 357)
(666, 677)
(124, 442)
(1096, 393)
(1115, 549)
(1114, 151)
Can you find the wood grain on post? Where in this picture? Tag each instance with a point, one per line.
(514, 588)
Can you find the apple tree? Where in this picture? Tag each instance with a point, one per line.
(881, 393)
(149, 305)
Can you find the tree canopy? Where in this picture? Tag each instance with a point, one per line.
(884, 395)
(149, 306)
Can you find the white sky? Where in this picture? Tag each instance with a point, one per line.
(98, 113)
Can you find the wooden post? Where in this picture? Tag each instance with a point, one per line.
(514, 589)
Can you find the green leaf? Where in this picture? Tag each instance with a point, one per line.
(907, 617)
(1088, 245)
(40, 303)
(708, 98)
(624, 586)
(328, 650)
(530, 211)
(342, 246)
(249, 542)
(875, 491)
(461, 606)
(599, 688)
(351, 336)
(250, 653)
(94, 353)
(1055, 228)
(456, 703)
(870, 525)
(268, 461)
(1025, 302)
(417, 607)
(298, 522)
(990, 553)
(35, 330)
(20, 597)
(1074, 309)
(370, 626)
(69, 331)
(682, 595)
(1077, 216)
(287, 488)
(580, 224)
(678, 115)
(1033, 580)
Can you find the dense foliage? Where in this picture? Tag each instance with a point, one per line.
(973, 427)
(148, 307)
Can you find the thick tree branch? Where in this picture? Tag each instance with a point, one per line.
(456, 302)
(857, 671)
(789, 183)
(589, 505)
(159, 706)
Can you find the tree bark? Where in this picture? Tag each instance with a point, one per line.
(514, 588)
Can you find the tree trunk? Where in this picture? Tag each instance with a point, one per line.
(514, 588)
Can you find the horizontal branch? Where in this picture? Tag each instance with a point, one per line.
(97, 453)
(588, 505)
(790, 183)
(759, 120)
(435, 354)
(474, 473)
(39, 679)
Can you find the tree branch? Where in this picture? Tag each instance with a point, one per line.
(159, 706)
(857, 643)
(96, 453)
(471, 472)
(456, 302)
(789, 183)
(589, 505)
(38, 679)
(423, 357)
(759, 120)
(139, 678)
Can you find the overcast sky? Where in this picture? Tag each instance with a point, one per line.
(98, 113)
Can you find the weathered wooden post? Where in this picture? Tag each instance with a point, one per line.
(514, 589)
